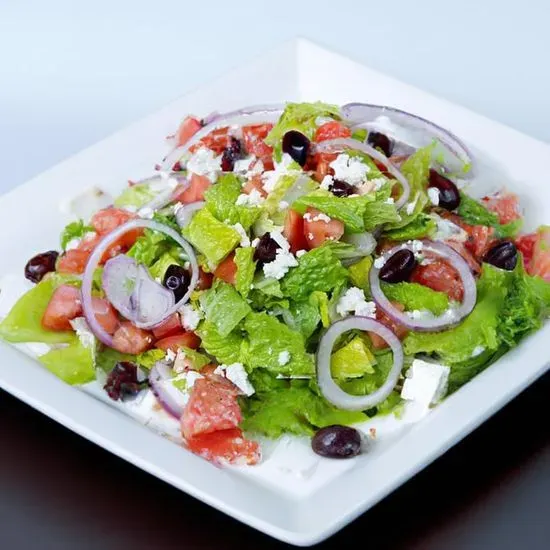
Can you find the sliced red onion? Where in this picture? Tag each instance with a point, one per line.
(235, 118)
(340, 144)
(185, 214)
(442, 322)
(251, 110)
(169, 397)
(330, 390)
(132, 291)
(98, 253)
(413, 130)
(164, 196)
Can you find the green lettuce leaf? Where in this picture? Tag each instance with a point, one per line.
(318, 269)
(353, 360)
(305, 316)
(414, 296)
(136, 196)
(267, 338)
(196, 359)
(379, 213)
(422, 226)
(24, 321)
(321, 302)
(149, 248)
(289, 188)
(211, 237)
(220, 201)
(148, 358)
(301, 117)
(74, 363)
(359, 273)
(226, 349)
(159, 268)
(224, 307)
(74, 230)
(246, 267)
(106, 358)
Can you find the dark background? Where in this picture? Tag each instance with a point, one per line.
(57, 491)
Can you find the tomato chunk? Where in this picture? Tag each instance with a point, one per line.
(205, 280)
(439, 275)
(318, 230)
(294, 231)
(254, 141)
(526, 245)
(226, 447)
(255, 183)
(399, 330)
(217, 141)
(73, 261)
(187, 129)
(131, 339)
(105, 314)
(540, 262)
(322, 165)
(64, 305)
(195, 190)
(505, 205)
(227, 270)
(212, 407)
(175, 342)
(170, 327)
(332, 130)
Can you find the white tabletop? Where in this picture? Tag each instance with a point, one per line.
(71, 72)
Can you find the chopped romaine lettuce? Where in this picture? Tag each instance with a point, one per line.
(359, 273)
(148, 358)
(422, 226)
(379, 213)
(74, 230)
(106, 358)
(149, 248)
(226, 349)
(195, 359)
(159, 268)
(246, 267)
(353, 360)
(320, 301)
(416, 297)
(210, 236)
(305, 316)
(135, 195)
(289, 188)
(73, 363)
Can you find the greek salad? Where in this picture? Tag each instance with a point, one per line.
(289, 269)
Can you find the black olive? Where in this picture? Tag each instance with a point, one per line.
(337, 442)
(503, 255)
(230, 154)
(449, 197)
(399, 267)
(381, 141)
(41, 264)
(177, 279)
(122, 382)
(297, 146)
(342, 189)
(266, 250)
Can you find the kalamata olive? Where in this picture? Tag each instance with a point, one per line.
(230, 154)
(342, 189)
(122, 382)
(40, 264)
(337, 442)
(266, 249)
(297, 146)
(399, 267)
(449, 197)
(177, 279)
(503, 255)
(381, 141)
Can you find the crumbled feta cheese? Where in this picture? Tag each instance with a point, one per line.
(433, 195)
(75, 243)
(378, 182)
(237, 374)
(190, 317)
(327, 183)
(310, 236)
(412, 205)
(379, 262)
(204, 162)
(300, 253)
(320, 120)
(242, 166)
(271, 177)
(354, 301)
(417, 246)
(245, 240)
(279, 238)
(254, 198)
(284, 358)
(390, 200)
(279, 267)
(321, 218)
(425, 383)
(190, 377)
(420, 314)
(146, 212)
(255, 242)
(72, 244)
(448, 231)
(349, 169)
(283, 205)
(84, 333)
(170, 356)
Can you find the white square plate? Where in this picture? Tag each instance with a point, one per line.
(300, 510)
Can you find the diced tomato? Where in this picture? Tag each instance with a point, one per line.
(188, 128)
(540, 262)
(73, 261)
(106, 220)
(170, 327)
(505, 205)
(399, 330)
(226, 447)
(439, 275)
(254, 142)
(479, 240)
(526, 245)
(294, 231)
(64, 305)
(175, 342)
(195, 190)
(466, 255)
(131, 339)
(322, 165)
(217, 141)
(227, 270)
(318, 231)
(205, 280)
(332, 130)
(212, 407)
(105, 314)
(255, 183)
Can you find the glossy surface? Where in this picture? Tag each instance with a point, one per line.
(503, 255)
(297, 146)
(122, 382)
(398, 268)
(177, 279)
(40, 264)
(337, 442)
(380, 141)
(342, 189)
(449, 197)
(266, 249)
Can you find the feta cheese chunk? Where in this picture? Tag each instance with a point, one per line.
(433, 195)
(327, 183)
(349, 169)
(237, 374)
(279, 267)
(448, 231)
(190, 317)
(245, 240)
(425, 383)
(379, 262)
(190, 377)
(254, 198)
(204, 162)
(271, 177)
(353, 301)
(284, 358)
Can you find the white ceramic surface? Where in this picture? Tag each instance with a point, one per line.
(292, 508)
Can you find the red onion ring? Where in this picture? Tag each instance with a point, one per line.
(235, 118)
(442, 322)
(99, 251)
(186, 213)
(333, 145)
(168, 396)
(251, 110)
(364, 115)
(330, 390)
